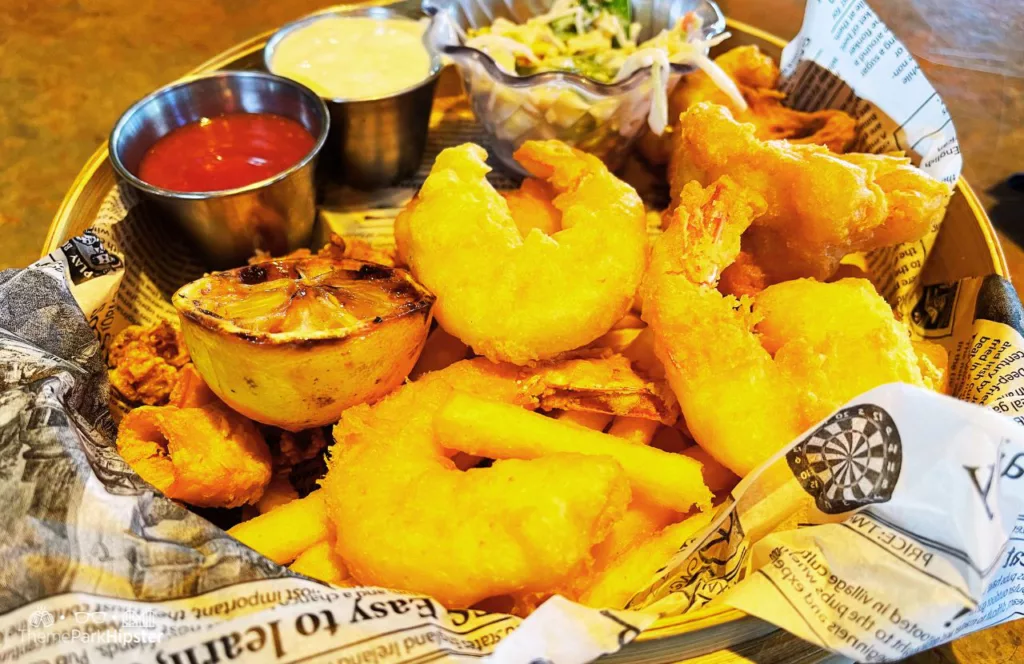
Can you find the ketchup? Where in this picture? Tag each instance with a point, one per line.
(225, 152)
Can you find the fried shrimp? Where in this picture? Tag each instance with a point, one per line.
(756, 76)
(519, 298)
(514, 527)
(531, 207)
(209, 456)
(820, 206)
(815, 345)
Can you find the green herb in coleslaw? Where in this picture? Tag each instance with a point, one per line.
(598, 39)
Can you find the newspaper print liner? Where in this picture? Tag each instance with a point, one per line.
(156, 264)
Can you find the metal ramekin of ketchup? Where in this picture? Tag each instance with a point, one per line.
(230, 157)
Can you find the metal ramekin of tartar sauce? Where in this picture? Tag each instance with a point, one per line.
(373, 68)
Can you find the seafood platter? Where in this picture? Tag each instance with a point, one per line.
(504, 315)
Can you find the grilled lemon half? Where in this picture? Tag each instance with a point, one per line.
(294, 342)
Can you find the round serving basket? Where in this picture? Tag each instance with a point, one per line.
(966, 246)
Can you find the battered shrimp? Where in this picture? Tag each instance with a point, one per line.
(514, 527)
(820, 206)
(531, 207)
(745, 390)
(522, 299)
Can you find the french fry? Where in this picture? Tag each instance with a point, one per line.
(320, 562)
(640, 521)
(620, 580)
(636, 430)
(501, 431)
(775, 499)
(286, 531)
(277, 493)
(716, 476)
(585, 419)
(440, 350)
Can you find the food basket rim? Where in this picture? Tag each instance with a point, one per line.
(79, 196)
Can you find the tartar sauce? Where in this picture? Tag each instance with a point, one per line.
(354, 57)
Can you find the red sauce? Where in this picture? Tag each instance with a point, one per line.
(226, 152)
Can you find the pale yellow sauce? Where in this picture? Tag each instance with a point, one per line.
(354, 57)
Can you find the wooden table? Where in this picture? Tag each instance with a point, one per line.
(68, 68)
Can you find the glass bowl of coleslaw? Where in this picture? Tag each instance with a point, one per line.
(590, 73)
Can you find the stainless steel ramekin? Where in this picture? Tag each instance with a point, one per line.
(274, 215)
(377, 141)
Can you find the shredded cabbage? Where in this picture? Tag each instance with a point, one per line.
(597, 39)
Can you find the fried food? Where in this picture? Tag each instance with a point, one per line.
(640, 523)
(603, 385)
(290, 449)
(585, 418)
(819, 206)
(641, 355)
(145, 361)
(515, 527)
(190, 390)
(500, 431)
(440, 351)
(209, 456)
(933, 361)
(531, 207)
(716, 476)
(522, 299)
(278, 492)
(634, 429)
(743, 277)
(287, 530)
(319, 562)
(292, 343)
(614, 340)
(638, 564)
(815, 345)
(671, 439)
(339, 247)
(630, 321)
(756, 76)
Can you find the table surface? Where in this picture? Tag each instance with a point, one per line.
(68, 69)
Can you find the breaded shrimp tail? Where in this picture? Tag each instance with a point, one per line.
(522, 298)
(725, 381)
(747, 383)
(756, 76)
(820, 206)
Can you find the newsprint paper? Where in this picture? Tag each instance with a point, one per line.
(894, 525)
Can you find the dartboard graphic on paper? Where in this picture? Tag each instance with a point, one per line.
(852, 460)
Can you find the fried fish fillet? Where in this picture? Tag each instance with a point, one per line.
(820, 206)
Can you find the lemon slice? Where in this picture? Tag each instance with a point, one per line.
(294, 342)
